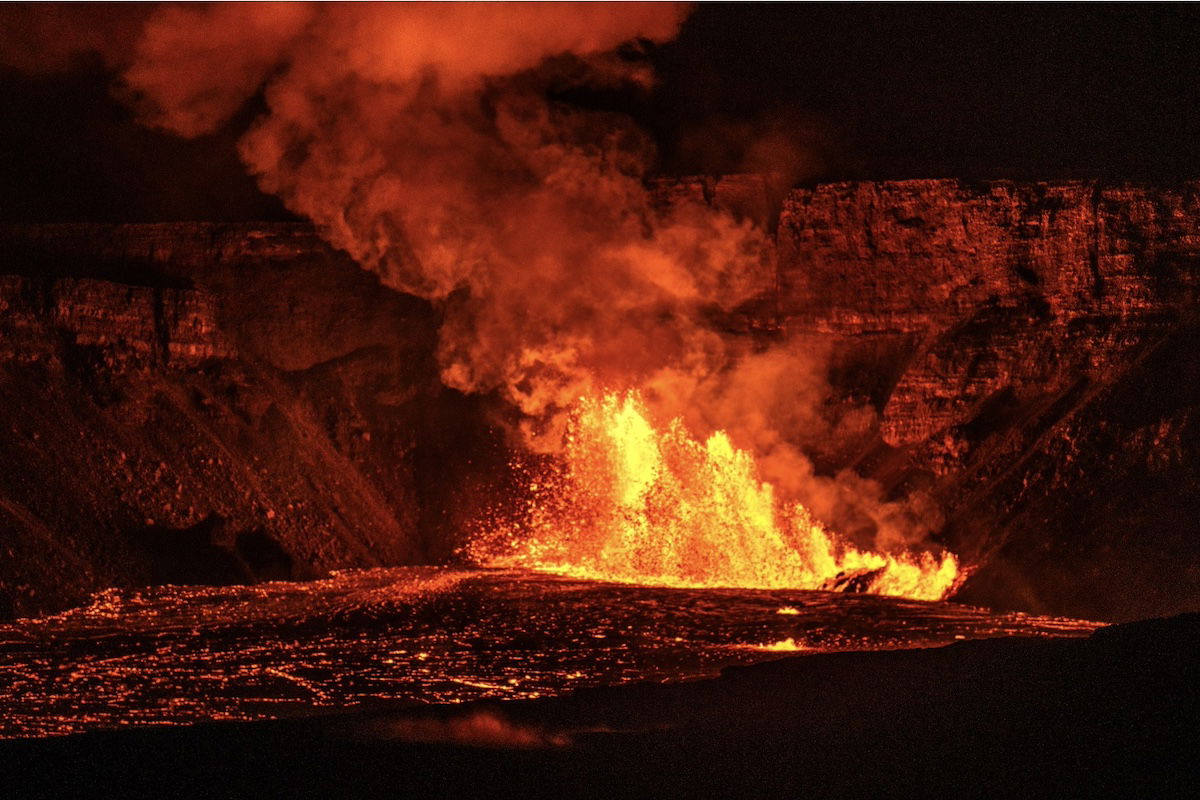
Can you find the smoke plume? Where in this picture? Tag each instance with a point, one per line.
(431, 143)
(420, 138)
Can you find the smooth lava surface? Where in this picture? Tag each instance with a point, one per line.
(416, 635)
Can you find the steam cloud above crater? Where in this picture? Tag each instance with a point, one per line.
(420, 138)
(425, 140)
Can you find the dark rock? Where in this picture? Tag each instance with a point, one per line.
(189, 556)
(256, 377)
(1025, 346)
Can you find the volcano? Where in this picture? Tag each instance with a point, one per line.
(598, 399)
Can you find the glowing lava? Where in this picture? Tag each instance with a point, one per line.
(631, 503)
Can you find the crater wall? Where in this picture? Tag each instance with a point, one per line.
(243, 398)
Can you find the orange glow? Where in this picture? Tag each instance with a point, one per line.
(632, 503)
(788, 645)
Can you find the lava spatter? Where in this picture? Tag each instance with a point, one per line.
(630, 502)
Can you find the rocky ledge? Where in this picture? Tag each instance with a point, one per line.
(193, 403)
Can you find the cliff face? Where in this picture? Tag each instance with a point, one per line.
(214, 404)
(1036, 372)
(229, 402)
(1004, 285)
(175, 327)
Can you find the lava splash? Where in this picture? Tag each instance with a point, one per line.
(629, 502)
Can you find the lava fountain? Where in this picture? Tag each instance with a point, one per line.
(631, 502)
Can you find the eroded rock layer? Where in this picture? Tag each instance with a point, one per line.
(214, 404)
(1037, 370)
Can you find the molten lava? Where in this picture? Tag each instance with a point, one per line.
(632, 503)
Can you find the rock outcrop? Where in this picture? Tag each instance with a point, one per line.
(1034, 364)
(215, 403)
(169, 326)
(1003, 284)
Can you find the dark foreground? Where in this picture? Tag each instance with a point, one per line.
(1110, 715)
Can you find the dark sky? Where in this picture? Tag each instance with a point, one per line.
(865, 91)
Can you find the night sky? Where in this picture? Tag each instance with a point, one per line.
(861, 91)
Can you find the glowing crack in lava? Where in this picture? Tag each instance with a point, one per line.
(631, 503)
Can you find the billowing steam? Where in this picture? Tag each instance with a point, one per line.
(421, 139)
(426, 140)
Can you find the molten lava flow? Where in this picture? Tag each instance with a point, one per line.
(634, 504)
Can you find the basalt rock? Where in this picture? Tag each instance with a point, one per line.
(204, 403)
(1039, 343)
